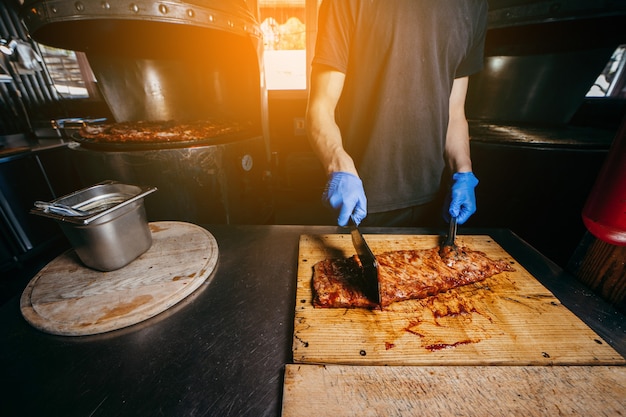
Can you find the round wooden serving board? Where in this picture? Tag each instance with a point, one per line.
(67, 298)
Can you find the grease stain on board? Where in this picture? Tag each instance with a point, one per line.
(123, 309)
(156, 228)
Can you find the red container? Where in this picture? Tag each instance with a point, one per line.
(604, 213)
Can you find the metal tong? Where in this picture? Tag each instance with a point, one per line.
(448, 250)
(451, 234)
(60, 209)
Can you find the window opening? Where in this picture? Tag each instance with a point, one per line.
(68, 72)
(283, 23)
(612, 80)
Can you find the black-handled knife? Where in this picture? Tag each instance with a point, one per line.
(368, 261)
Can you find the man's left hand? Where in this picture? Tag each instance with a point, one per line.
(462, 197)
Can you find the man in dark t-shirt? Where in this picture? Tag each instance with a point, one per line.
(386, 110)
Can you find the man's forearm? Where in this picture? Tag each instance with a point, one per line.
(322, 130)
(325, 139)
(458, 155)
(457, 137)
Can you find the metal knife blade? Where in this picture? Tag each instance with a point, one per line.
(368, 261)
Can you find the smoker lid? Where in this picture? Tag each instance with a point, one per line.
(86, 24)
(524, 12)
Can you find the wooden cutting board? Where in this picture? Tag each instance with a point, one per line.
(67, 298)
(509, 319)
(528, 391)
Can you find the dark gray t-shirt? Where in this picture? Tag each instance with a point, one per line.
(400, 58)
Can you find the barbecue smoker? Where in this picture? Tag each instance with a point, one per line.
(541, 58)
(179, 61)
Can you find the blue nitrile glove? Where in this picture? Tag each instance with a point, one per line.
(461, 198)
(344, 194)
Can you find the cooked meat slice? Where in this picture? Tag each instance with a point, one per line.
(402, 275)
(159, 131)
(339, 283)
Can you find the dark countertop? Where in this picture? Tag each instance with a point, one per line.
(538, 136)
(222, 351)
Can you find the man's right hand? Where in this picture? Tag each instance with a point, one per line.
(344, 194)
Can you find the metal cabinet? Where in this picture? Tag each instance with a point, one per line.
(24, 178)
